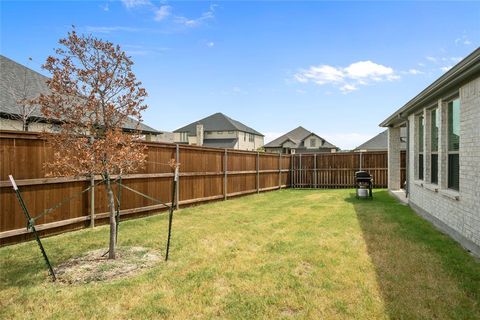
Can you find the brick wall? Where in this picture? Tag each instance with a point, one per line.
(457, 213)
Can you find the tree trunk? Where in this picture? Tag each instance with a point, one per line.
(113, 224)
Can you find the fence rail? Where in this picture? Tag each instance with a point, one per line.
(206, 174)
(337, 170)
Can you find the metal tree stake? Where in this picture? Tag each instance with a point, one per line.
(174, 165)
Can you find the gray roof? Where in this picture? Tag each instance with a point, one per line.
(380, 141)
(20, 82)
(220, 143)
(297, 136)
(217, 122)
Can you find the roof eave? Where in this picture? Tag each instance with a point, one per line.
(464, 70)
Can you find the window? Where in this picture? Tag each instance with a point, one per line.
(421, 125)
(313, 142)
(183, 136)
(230, 132)
(244, 136)
(219, 132)
(434, 146)
(251, 137)
(453, 177)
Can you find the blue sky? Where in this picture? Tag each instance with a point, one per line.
(336, 68)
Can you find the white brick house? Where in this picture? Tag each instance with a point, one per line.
(443, 153)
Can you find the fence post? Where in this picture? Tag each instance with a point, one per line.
(258, 172)
(92, 201)
(300, 166)
(279, 171)
(361, 161)
(225, 177)
(315, 170)
(92, 194)
(292, 173)
(177, 160)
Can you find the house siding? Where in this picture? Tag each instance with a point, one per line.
(9, 124)
(245, 144)
(457, 213)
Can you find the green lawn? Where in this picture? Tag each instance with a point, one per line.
(317, 254)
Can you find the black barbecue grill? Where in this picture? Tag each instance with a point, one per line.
(363, 184)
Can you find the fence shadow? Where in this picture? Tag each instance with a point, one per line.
(420, 272)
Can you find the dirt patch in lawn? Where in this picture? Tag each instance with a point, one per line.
(95, 266)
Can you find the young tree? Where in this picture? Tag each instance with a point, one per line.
(94, 93)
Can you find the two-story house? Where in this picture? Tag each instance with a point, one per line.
(300, 140)
(219, 131)
(18, 82)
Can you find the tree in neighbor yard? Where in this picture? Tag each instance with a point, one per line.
(94, 93)
(23, 111)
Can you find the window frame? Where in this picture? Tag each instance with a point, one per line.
(420, 142)
(452, 152)
(313, 143)
(434, 153)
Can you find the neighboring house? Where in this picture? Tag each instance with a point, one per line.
(18, 82)
(219, 131)
(380, 142)
(300, 140)
(443, 154)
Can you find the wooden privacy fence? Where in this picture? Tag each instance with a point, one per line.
(337, 170)
(206, 174)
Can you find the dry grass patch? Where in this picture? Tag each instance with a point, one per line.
(291, 254)
(94, 265)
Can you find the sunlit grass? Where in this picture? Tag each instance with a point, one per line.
(287, 254)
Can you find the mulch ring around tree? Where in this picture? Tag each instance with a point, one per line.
(92, 267)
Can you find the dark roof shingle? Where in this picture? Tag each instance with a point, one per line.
(297, 136)
(217, 122)
(20, 82)
(380, 141)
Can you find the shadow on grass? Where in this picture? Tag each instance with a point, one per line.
(421, 272)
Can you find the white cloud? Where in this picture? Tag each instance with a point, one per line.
(162, 12)
(101, 29)
(320, 75)
(348, 79)
(414, 71)
(104, 7)
(347, 88)
(239, 90)
(456, 59)
(446, 68)
(135, 3)
(210, 44)
(463, 40)
(431, 59)
(368, 69)
(207, 15)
